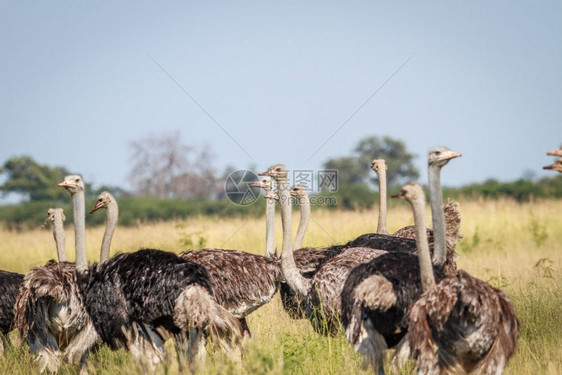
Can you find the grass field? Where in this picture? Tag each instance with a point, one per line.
(513, 246)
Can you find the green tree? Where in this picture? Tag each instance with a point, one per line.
(356, 169)
(36, 182)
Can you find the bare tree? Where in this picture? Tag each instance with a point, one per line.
(165, 167)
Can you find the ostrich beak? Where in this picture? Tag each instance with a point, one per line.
(263, 173)
(451, 155)
(548, 166)
(397, 195)
(64, 184)
(96, 207)
(255, 184)
(555, 152)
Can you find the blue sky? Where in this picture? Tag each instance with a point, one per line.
(79, 81)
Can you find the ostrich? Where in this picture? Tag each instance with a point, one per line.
(50, 312)
(321, 292)
(129, 296)
(56, 216)
(241, 282)
(557, 165)
(461, 325)
(377, 295)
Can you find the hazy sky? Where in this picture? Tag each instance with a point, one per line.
(79, 81)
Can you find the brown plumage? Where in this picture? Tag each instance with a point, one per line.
(463, 325)
(51, 315)
(377, 295)
(242, 282)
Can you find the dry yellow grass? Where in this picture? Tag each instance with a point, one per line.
(515, 246)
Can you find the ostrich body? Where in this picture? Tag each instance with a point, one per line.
(50, 313)
(462, 325)
(9, 288)
(241, 282)
(378, 294)
(186, 282)
(556, 166)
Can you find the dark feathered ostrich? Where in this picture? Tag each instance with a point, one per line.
(132, 294)
(241, 282)
(556, 166)
(377, 295)
(9, 288)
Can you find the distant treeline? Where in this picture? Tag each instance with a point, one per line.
(133, 210)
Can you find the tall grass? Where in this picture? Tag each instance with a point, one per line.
(513, 246)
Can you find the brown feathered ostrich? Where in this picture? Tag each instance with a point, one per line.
(50, 312)
(462, 325)
(556, 166)
(321, 292)
(377, 295)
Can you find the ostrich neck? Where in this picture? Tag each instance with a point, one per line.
(110, 223)
(79, 208)
(269, 226)
(58, 233)
(381, 226)
(290, 271)
(437, 216)
(303, 223)
(426, 269)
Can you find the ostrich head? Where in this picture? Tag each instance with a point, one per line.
(411, 192)
(299, 191)
(52, 213)
(102, 201)
(439, 156)
(276, 171)
(266, 183)
(73, 183)
(378, 165)
(555, 152)
(557, 165)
